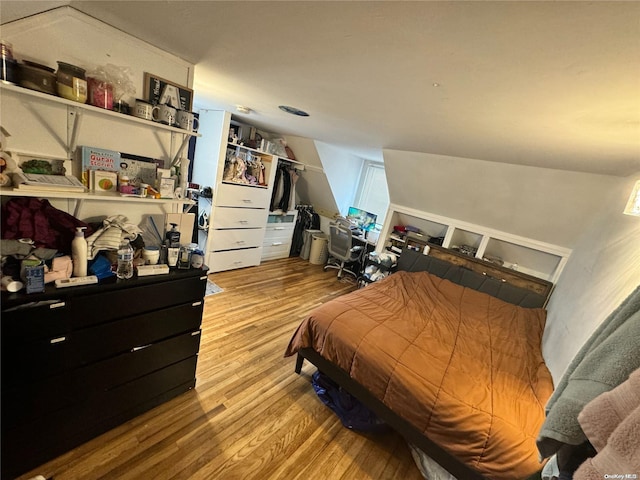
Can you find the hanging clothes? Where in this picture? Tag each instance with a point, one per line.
(283, 194)
(308, 219)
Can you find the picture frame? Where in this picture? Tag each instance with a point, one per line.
(158, 91)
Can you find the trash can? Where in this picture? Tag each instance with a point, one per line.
(319, 249)
(306, 243)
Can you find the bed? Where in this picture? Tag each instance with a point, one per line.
(448, 353)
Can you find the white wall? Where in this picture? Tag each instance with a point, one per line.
(343, 172)
(552, 206)
(602, 271)
(312, 187)
(67, 35)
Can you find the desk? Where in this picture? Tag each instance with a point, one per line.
(368, 247)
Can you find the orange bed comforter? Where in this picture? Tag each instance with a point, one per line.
(463, 367)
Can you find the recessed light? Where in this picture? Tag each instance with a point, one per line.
(436, 84)
(293, 111)
(243, 109)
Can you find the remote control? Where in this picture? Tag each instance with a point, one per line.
(145, 270)
(76, 281)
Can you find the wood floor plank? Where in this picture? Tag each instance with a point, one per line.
(250, 416)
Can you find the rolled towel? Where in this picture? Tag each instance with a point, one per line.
(601, 416)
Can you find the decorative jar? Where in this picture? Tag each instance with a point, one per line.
(71, 82)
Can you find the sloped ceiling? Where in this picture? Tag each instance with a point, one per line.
(549, 84)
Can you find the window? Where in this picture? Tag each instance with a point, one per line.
(373, 194)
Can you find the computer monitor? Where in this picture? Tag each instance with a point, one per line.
(362, 219)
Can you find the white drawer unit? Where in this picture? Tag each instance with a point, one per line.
(237, 238)
(231, 259)
(236, 220)
(227, 217)
(278, 235)
(230, 195)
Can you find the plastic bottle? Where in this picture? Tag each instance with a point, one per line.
(79, 253)
(125, 260)
(172, 237)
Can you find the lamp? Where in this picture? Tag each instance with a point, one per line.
(633, 205)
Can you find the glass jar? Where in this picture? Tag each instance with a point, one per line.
(71, 82)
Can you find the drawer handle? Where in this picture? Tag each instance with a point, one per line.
(243, 221)
(203, 277)
(135, 349)
(196, 304)
(237, 262)
(57, 305)
(247, 200)
(276, 243)
(279, 228)
(193, 334)
(240, 242)
(57, 340)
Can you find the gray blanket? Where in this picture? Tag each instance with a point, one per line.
(604, 362)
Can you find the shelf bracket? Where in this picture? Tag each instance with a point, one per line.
(74, 124)
(176, 159)
(78, 208)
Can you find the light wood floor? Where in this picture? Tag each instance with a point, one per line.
(250, 416)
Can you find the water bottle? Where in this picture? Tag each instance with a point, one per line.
(125, 260)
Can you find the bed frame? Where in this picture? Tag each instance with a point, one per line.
(516, 288)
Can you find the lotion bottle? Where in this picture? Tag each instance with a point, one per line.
(79, 253)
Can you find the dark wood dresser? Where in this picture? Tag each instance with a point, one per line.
(79, 361)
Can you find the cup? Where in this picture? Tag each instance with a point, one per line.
(11, 285)
(172, 256)
(165, 114)
(151, 255)
(187, 121)
(144, 110)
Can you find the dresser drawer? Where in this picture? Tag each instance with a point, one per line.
(278, 231)
(236, 238)
(35, 400)
(282, 219)
(276, 250)
(230, 195)
(225, 217)
(45, 358)
(111, 305)
(228, 260)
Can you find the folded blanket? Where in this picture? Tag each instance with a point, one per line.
(602, 415)
(604, 362)
(620, 458)
(114, 229)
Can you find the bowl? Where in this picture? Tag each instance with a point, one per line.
(37, 77)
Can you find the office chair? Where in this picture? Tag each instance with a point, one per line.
(341, 247)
